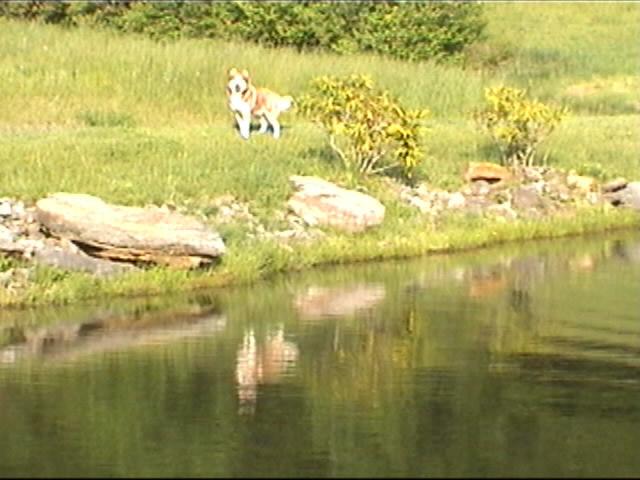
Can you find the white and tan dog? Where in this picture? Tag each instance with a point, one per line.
(247, 101)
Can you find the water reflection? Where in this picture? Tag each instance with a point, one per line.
(107, 331)
(318, 302)
(504, 362)
(262, 364)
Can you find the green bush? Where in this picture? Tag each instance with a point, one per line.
(408, 31)
(368, 130)
(516, 123)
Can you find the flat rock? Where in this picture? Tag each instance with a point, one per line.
(322, 203)
(487, 171)
(116, 232)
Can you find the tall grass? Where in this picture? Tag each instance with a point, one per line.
(556, 45)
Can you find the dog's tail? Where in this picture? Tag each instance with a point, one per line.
(285, 103)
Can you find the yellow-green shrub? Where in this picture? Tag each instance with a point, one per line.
(516, 123)
(368, 129)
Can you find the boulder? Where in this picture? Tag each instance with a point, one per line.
(629, 196)
(614, 185)
(74, 259)
(322, 203)
(122, 233)
(489, 172)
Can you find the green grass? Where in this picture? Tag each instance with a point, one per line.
(137, 122)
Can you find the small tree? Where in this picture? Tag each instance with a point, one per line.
(367, 129)
(517, 124)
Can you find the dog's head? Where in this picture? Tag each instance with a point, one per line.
(238, 82)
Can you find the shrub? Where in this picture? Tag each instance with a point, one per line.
(404, 30)
(516, 123)
(368, 130)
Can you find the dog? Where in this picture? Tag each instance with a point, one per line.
(247, 101)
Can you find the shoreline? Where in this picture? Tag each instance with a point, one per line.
(268, 258)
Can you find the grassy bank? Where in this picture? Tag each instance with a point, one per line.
(136, 122)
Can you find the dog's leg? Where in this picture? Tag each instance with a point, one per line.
(264, 125)
(244, 124)
(273, 120)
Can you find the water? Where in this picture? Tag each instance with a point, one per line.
(515, 361)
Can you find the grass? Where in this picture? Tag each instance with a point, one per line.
(136, 121)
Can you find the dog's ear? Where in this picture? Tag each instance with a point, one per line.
(233, 72)
(245, 74)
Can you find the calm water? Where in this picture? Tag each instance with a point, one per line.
(518, 361)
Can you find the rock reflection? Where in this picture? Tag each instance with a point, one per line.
(626, 251)
(108, 332)
(487, 284)
(320, 302)
(262, 364)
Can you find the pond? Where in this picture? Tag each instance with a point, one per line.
(520, 360)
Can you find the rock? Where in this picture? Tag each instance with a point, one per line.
(526, 197)
(456, 200)
(480, 188)
(532, 174)
(148, 235)
(322, 203)
(490, 172)
(68, 259)
(614, 185)
(476, 205)
(418, 202)
(629, 196)
(557, 190)
(5, 208)
(17, 210)
(580, 182)
(7, 237)
(11, 243)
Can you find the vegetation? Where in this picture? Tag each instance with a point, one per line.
(366, 127)
(136, 121)
(517, 124)
(414, 31)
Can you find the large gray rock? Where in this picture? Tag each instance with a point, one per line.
(76, 260)
(149, 235)
(629, 196)
(614, 185)
(322, 203)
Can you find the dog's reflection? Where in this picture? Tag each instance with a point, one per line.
(263, 363)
